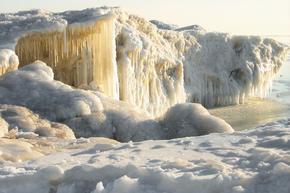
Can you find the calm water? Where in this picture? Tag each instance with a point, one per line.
(281, 86)
(260, 111)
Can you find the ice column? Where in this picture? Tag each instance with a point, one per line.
(82, 56)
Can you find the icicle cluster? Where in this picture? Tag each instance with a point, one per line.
(216, 69)
(82, 55)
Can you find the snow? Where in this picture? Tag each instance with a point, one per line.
(88, 113)
(8, 61)
(250, 161)
(162, 25)
(191, 119)
(193, 29)
(33, 86)
(26, 124)
(154, 72)
(16, 151)
(15, 25)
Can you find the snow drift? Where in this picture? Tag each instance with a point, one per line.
(86, 112)
(33, 86)
(189, 119)
(22, 123)
(130, 59)
(252, 161)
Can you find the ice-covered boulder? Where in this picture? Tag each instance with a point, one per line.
(33, 87)
(226, 69)
(119, 120)
(191, 119)
(87, 113)
(24, 122)
(8, 61)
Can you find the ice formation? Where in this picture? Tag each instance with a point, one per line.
(252, 161)
(162, 25)
(87, 113)
(3, 127)
(215, 69)
(33, 87)
(8, 61)
(130, 59)
(81, 55)
(13, 150)
(26, 124)
(191, 119)
(127, 58)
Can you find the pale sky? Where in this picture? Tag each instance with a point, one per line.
(247, 17)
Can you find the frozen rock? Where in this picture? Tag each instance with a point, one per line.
(8, 61)
(191, 119)
(25, 121)
(33, 87)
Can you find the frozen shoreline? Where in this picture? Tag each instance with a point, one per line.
(255, 111)
(157, 70)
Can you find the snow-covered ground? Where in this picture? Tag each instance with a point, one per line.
(256, 161)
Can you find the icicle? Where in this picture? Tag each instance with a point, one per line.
(80, 55)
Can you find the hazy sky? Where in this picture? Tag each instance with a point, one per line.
(256, 17)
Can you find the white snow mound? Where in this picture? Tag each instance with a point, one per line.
(192, 119)
(252, 161)
(33, 86)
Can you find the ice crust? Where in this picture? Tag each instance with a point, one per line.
(250, 161)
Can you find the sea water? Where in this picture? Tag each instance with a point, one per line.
(258, 111)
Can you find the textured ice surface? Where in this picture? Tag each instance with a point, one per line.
(26, 124)
(191, 119)
(162, 25)
(253, 161)
(151, 68)
(165, 67)
(33, 86)
(3, 127)
(8, 61)
(86, 112)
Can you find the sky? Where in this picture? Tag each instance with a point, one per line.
(244, 17)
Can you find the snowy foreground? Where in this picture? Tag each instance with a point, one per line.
(256, 161)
